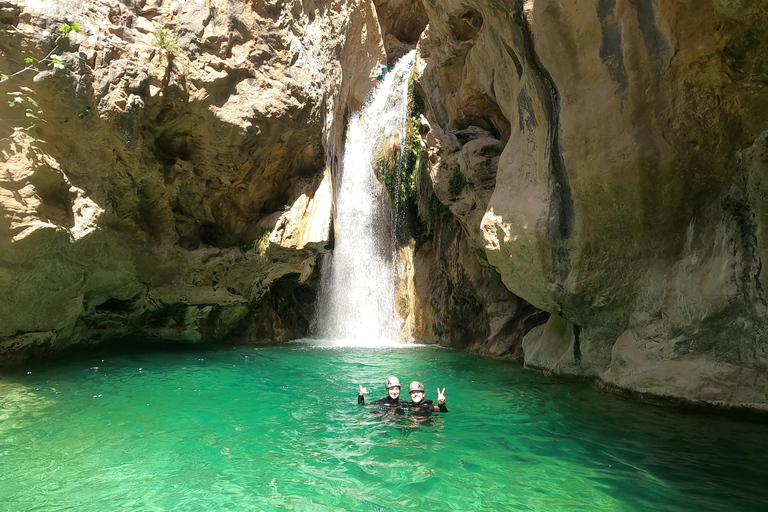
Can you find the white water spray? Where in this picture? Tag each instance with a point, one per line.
(357, 298)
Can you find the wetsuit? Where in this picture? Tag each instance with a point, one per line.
(387, 401)
(426, 406)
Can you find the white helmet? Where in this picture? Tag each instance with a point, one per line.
(392, 382)
(416, 386)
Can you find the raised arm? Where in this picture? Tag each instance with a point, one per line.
(441, 401)
(361, 394)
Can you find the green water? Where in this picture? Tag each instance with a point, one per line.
(279, 428)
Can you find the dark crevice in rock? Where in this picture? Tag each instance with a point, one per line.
(561, 214)
(576, 342)
(535, 320)
(285, 312)
(739, 213)
(215, 235)
(515, 59)
(401, 23)
(55, 196)
(611, 51)
(172, 146)
(659, 49)
(525, 111)
(115, 306)
(467, 26)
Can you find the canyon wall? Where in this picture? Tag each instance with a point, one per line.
(177, 184)
(591, 177)
(610, 157)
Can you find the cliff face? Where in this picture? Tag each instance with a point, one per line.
(614, 159)
(181, 195)
(598, 169)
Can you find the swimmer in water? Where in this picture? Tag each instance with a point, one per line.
(420, 404)
(392, 384)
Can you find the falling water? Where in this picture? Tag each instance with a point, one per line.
(357, 301)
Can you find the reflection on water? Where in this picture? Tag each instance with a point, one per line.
(279, 428)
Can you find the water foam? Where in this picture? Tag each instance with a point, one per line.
(357, 299)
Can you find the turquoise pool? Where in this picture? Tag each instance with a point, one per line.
(279, 428)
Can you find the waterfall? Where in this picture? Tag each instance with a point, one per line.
(357, 297)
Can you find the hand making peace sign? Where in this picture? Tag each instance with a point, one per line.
(440, 396)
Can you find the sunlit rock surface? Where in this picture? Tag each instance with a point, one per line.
(176, 195)
(611, 155)
(628, 197)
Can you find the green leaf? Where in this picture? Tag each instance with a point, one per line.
(75, 27)
(33, 116)
(30, 60)
(32, 101)
(16, 93)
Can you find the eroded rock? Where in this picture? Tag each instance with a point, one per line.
(172, 134)
(623, 198)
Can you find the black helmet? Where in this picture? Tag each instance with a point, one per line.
(416, 386)
(392, 382)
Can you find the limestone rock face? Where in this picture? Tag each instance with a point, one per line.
(179, 182)
(401, 23)
(624, 149)
(458, 297)
(460, 301)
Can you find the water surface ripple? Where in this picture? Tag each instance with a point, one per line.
(278, 428)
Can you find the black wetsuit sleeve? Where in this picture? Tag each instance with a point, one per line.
(361, 399)
(442, 408)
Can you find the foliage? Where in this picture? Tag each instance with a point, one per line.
(263, 243)
(23, 98)
(456, 182)
(164, 39)
(406, 179)
(32, 64)
(68, 26)
(415, 101)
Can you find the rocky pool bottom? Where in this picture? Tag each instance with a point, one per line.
(279, 428)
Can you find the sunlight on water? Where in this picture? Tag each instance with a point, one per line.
(279, 428)
(355, 342)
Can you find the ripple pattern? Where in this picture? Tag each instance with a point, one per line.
(279, 428)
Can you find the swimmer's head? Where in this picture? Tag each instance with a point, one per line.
(393, 387)
(416, 390)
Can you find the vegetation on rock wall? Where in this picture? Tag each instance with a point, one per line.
(456, 182)
(22, 98)
(164, 39)
(404, 175)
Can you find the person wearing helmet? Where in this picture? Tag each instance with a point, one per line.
(392, 384)
(380, 76)
(419, 403)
